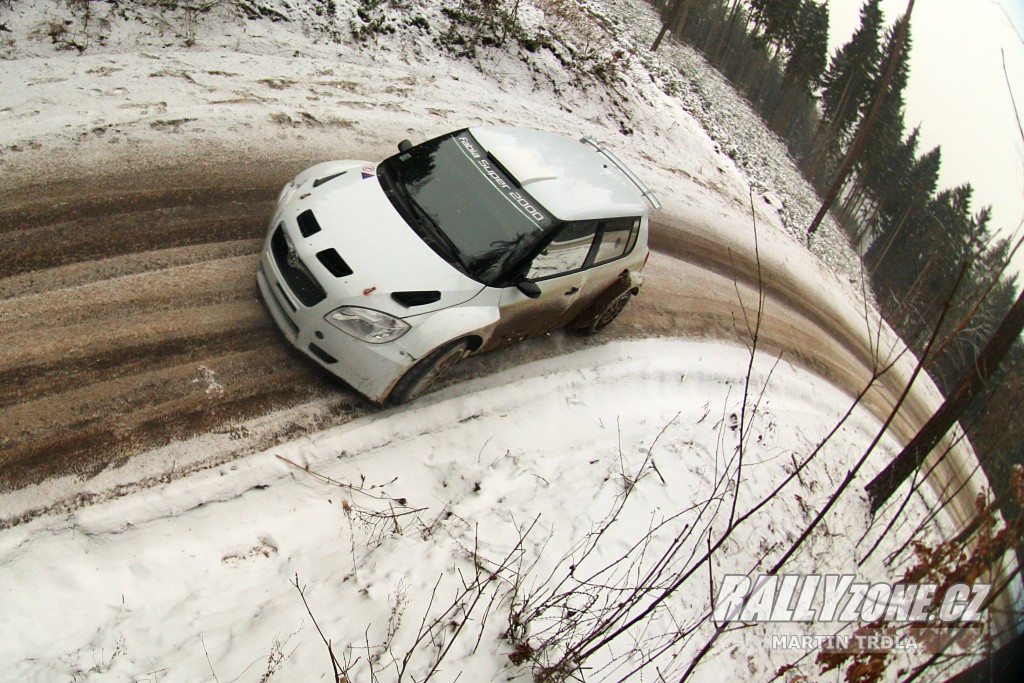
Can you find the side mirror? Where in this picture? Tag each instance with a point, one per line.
(529, 288)
(404, 146)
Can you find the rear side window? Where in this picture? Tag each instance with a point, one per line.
(617, 239)
(567, 252)
(575, 247)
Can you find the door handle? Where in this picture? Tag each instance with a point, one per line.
(572, 291)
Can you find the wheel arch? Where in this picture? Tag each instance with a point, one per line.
(628, 281)
(451, 324)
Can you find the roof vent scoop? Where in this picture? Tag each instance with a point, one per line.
(526, 166)
(410, 299)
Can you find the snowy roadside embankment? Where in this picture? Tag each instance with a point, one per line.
(190, 580)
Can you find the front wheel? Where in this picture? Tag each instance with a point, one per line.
(420, 377)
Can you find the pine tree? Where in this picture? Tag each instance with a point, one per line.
(769, 15)
(807, 45)
(859, 141)
(846, 86)
(853, 69)
(935, 246)
(905, 183)
(897, 255)
(775, 20)
(872, 170)
(894, 197)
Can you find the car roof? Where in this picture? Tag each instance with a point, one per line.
(568, 177)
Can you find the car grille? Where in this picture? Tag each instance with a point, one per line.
(298, 279)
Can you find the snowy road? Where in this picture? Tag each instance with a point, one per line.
(141, 326)
(136, 179)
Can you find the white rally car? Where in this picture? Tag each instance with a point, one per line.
(387, 274)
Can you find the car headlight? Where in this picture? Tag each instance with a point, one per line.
(367, 324)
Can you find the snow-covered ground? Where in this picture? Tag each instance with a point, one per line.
(165, 84)
(190, 580)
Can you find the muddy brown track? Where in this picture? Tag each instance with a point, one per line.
(119, 296)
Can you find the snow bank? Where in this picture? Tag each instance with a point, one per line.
(190, 580)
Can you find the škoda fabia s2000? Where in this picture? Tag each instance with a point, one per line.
(387, 274)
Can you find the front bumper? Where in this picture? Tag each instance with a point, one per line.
(370, 369)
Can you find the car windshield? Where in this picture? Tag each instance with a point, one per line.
(464, 205)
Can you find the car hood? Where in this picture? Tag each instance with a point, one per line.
(392, 269)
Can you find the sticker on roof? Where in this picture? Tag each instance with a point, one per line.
(369, 172)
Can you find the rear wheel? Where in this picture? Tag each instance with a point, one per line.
(420, 377)
(604, 315)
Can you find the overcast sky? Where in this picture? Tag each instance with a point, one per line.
(959, 95)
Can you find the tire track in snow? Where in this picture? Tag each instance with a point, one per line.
(119, 294)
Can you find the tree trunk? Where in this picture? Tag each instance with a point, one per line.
(669, 23)
(970, 385)
(727, 38)
(860, 140)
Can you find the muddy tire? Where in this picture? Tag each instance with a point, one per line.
(420, 377)
(598, 319)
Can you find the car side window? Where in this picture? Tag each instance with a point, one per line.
(617, 239)
(567, 252)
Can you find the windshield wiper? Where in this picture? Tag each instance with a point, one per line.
(436, 235)
(421, 222)
(503, 257)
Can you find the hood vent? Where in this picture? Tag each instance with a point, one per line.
(320, 181)
(410, 299)
(307, 223)
(333, 262)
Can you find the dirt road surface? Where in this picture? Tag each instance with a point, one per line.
(130, 320)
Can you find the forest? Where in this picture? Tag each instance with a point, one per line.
(925, 248)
